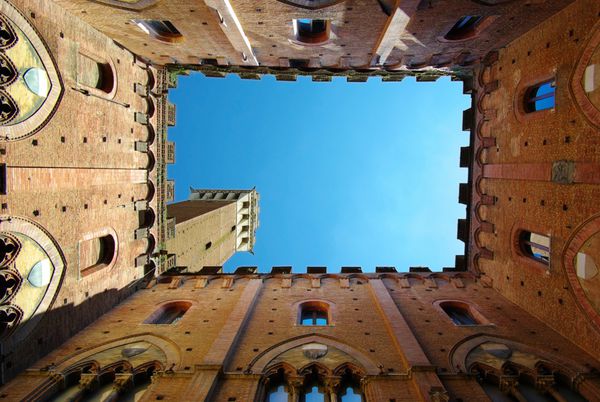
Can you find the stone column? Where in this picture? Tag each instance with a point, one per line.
(120, 384)
(332, 388)
(296, 385)
(508, 385)
(86, 383)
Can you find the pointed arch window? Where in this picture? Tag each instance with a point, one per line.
(464, 28)
(277, 393)
(540, 96)
(535, 246)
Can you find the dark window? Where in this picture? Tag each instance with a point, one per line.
(460, 313)
(540, 97)
(170, 313)
(96, 254)
(95, 73)
(535, 246)
(299, 63)
(314, 315)
(162, 30)
(311, 31)
(3, 186)
(464, 28)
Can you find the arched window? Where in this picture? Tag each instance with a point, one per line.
(314, 313)
(96, 253)
(277, 388)
(277, 393)
(349, 389)
(540, 97)
(535, 246)
(459, 313)
(93, 73)
(170, 313)
(313, 393)
(311, 31)
(162, 30)
(311, 4)
(464, 28)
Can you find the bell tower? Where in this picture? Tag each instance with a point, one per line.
(212, 225)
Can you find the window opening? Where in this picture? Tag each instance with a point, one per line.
(94, 74)
(535, 246)
(96, 253)
(459, 315)
(313, 316)
(277, 394)
(464, 27)
(162, 30)
(311, 31)
(313, 394)
(171, 313)
(349, 394)
(3, 187)
(540, 97)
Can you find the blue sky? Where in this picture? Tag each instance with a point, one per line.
(349, 174)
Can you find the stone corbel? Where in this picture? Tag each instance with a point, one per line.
(438, 394)
(87, 381)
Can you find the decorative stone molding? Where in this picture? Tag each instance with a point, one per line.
(17, 31)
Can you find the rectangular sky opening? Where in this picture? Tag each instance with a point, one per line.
(349, 174)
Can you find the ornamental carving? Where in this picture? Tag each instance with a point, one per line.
(563, 172)
(8, 36)
(30, 86)
(8, 71)
(9, 248)
(10, 281)
(10, 317)
(8, 108)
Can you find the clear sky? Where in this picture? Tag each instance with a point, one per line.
(349, 174)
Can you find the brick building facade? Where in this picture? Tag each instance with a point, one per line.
(95, 302)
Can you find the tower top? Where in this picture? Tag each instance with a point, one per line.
(247, 211)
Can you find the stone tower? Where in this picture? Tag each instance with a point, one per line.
(210, 227)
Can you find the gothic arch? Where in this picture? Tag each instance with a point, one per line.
(460, 351)
(98, 365)
(590, 109)
(259, 364)
(23, 120)
(587, 231)
(23, 281)
(88, 356)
